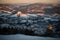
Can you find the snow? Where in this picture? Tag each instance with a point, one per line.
(25, 37)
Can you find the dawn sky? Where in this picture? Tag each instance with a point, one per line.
(29, 1)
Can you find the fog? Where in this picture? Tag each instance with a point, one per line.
(29, 1)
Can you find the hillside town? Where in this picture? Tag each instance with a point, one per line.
(33, 19)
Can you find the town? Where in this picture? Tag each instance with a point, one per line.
(33, 19)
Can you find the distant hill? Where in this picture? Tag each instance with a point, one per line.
(31, 8)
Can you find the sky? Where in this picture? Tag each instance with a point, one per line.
(29, 1)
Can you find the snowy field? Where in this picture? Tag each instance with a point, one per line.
(25, 37)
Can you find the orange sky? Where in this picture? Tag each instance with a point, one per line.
(29, 1)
